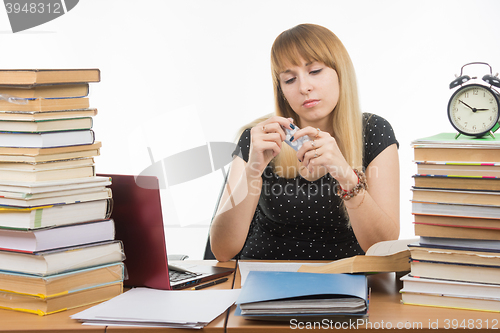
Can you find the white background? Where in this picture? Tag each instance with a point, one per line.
(178, 74)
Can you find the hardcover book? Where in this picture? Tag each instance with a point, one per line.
(33, 155)
(455, 271)
(46, 139)
(46, 125)
(457, 183)
(46, 115)
(48, 305)
(45, 104)
(37, 240)
(47, 175)
(47, 91)
(34, 77)
(48, 216)
(52, 285)
(50, 262)
(455, 301)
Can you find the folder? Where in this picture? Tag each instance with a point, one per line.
(285, 295)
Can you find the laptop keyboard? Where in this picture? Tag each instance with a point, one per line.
(176, 276)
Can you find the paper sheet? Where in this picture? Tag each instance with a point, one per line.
(184, 308)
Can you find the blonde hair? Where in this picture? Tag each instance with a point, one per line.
(312, 42)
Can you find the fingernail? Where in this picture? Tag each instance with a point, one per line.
(291, 139)
(291, 125)
(300, 161)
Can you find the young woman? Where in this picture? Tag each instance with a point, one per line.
(334, 197)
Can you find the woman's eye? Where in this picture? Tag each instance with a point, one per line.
(289, 80)
(317, 71)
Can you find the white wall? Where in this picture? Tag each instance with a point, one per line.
(176, 74)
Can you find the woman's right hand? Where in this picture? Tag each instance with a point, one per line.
(266, 140)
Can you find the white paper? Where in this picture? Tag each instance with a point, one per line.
(133, 324)
(150, 306)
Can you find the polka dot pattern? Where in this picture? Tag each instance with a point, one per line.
(297, 219)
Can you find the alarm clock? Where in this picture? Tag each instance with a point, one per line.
(473, 108)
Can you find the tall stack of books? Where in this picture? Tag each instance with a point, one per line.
(456, 208)
(57, 247)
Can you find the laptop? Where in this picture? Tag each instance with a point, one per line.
(139, 225)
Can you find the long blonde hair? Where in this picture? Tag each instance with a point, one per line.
(312, 42)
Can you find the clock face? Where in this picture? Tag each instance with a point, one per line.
(473, 110)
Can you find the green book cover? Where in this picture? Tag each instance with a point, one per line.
(463, 141)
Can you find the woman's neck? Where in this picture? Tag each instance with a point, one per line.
(325, 125)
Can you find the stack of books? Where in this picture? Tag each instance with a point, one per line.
(456, 206)
(57, 243)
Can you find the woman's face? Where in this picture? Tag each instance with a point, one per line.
(311, 89)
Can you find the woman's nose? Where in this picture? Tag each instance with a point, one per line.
(305, 86)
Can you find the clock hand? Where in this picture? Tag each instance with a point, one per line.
(473, 109)
(466, 105)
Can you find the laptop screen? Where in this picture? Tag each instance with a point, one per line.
(139, 225)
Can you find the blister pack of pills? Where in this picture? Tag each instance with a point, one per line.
(296, 144)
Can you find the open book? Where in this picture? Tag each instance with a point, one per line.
(387, 256)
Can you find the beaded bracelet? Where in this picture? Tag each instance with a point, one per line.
(361, 185)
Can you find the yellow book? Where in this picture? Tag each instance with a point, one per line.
(451, 301)
(59, 284)
(61, 302)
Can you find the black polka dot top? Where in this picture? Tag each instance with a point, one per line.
(297, 219)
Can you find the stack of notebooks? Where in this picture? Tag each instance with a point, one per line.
(270, 295)
(456, 206)
(57, 247)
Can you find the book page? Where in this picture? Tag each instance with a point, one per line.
(390, 247)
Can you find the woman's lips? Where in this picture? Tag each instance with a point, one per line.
(310, 103)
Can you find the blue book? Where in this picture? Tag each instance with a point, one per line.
(275, 295)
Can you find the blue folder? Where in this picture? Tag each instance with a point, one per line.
(271, 286)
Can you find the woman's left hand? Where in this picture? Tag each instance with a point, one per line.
(322, 154)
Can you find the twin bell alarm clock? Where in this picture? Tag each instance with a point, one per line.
(473, 108)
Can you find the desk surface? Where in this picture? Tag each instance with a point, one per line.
(386, 311)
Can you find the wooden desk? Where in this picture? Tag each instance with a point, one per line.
(18, 322)
(385, 312)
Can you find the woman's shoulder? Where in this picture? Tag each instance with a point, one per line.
(378, 134)
(378, 125)
(243, 145)
(374, 120)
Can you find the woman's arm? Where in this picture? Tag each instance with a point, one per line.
(236, 209)
(241, 194)
(374, 214)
